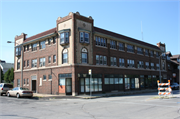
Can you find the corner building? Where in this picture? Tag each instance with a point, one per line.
(57, 61)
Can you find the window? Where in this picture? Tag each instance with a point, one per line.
(18, 51)
(84, 37)
(84, 55)
(121, 46)
(27, 47)
(146, 52)
(157, 54)
(139, 50)
(44, 77)
(64, 38)
(163, 65)
(151, 53)
(42, 45)
(130, 63)
(127, 83)
(113, 44)
(18, 82)
(65, 56)
(147, 65)
(24, 81)
(27, 81)
(34, 63)
(18, 65)
(50, 77)
(97, 59)
(157, 66)
(34, 47)
(102, 60)
(54, 39)
(49, 59)
(54, 58)
(24, 63)
(140, 64)
(105, 60)
(130, 48)
(113, 61)
(27, 63)
(49, 41)
(42, 62)
(101, 41)
(152, 65)
(121, 62)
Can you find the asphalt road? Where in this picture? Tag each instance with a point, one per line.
(142, 106)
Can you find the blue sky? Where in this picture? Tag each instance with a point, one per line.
(160, 19)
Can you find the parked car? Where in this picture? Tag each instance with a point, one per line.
(4, 87)
(20, 92)
(174, 86)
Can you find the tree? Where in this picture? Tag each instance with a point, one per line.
(9, 76)
(2, 75)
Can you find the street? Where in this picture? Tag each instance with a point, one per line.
(141, 106)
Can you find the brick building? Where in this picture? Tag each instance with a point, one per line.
(57, 61)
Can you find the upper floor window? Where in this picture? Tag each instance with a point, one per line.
(27, 47)
(113, 61)
(18, 64)
(146, 52)
(34, 63)
(121, 46)
(18, 51)
(157, 66)
(130, 48)
(54, 39)
(152, 65)
(84, 55)
(163, 65)
(65, 56)
(139, 50)
(24, 48)
(54, 58)
(49, 59)
(34, 46)
(121, 62)
(151, 53)
(49, 41)
(157, 54)
(84, 37)
(64, 38)
(42, 45)
(130, 63)
(112, 44)
(42, 62)
(102, 60)
(27, 63)
(140, 64)
(147, 65)
(101, 41)
(24, 63)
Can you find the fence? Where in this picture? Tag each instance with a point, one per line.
(164, 88)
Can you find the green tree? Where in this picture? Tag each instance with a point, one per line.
(2, 75)
(9, 76)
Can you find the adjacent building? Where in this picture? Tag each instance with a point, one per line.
(58, 60)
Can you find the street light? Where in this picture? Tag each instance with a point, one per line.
(160, 67)
(21, 61)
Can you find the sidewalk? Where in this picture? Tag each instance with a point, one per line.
(85, 96)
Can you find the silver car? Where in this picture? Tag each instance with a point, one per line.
(20, 92)
(4, 87)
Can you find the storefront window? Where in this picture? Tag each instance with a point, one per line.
(127, 83)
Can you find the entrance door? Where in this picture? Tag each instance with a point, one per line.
(34, 86)
(68, 86)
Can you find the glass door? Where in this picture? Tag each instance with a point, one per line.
(68, 86)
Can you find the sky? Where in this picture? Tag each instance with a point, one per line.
(157, 19)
